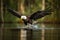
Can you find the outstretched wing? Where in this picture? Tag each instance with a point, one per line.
(39, 14)
(15, 13)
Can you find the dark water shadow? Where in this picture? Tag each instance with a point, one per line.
(12, 31)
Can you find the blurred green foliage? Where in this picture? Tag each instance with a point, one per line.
(31, 6)
(7, 16)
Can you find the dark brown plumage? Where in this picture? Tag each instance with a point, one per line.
(34, 16)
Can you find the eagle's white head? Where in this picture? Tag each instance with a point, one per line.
(23, 17)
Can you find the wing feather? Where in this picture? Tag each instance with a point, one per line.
(15, 13)
(39, 14)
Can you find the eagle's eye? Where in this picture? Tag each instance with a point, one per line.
(23, 17)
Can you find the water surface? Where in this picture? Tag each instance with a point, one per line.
(12, 31)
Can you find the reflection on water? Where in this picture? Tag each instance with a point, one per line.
(15, 31)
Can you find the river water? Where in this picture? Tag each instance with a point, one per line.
(40, 31)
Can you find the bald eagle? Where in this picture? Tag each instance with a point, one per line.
(33, 16)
